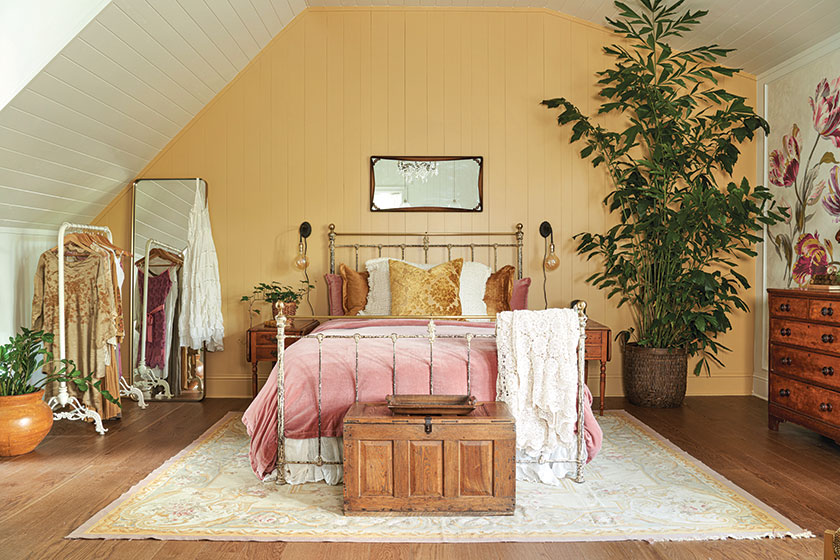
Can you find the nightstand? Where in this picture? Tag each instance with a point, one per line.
(262, 342)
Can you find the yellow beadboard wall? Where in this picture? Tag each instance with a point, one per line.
(289, 139)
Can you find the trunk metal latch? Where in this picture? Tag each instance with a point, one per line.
(428, 424)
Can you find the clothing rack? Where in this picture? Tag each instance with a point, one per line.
(77, 410)
(145, 373)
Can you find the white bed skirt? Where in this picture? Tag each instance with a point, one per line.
(332, 449)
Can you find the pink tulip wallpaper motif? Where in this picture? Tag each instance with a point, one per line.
(804, 172)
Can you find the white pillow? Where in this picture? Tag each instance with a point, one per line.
(474, 277)
(379, 285)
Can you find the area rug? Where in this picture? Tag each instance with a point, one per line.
(640, 487)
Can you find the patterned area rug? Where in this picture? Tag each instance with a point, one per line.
(640, 487)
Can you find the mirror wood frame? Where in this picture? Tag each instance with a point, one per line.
(477, 159)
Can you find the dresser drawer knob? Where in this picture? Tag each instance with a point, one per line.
(825, 407)
(787, 361)
(827, 338)
(784, 392)
(784, 307)
(826, 311)
(828, 371)
(786, 332)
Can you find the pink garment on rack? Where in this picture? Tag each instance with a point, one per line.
(159, 287)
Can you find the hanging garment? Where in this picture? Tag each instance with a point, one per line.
(156, 324)
(90, 321)
(201, 319)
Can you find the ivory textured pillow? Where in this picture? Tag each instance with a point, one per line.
(354, 289)
(474, 276)
(499, 290)
(415, 291)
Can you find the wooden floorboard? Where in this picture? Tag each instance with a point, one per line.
(74, 473)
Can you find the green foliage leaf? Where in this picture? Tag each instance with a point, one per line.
(680, 236)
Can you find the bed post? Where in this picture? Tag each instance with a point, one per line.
(281, 395)
(519, 239)
(332, 248)
(580, 307)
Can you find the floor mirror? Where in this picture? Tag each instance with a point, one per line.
(162, 368)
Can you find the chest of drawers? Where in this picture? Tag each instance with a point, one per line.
(805, 360)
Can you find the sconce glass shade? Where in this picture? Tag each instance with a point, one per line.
(551, 261)
(301, 262)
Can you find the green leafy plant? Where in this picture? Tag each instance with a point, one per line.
(26, 353)
(276, 292)
(673, 256)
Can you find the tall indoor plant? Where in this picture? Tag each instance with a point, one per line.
(673, 255)
(25, 419)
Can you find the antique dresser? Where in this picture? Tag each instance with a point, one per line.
(432, 465)
(805, 360)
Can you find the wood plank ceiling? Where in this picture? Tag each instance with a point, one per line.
(121, 89)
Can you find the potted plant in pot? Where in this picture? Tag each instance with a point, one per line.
(674, 253)
(276, 293)
(25, 419)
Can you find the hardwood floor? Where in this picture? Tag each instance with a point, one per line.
(75, 473)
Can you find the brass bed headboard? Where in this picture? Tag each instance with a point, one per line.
(425, 244)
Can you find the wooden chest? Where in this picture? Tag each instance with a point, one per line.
(438, 465)
(805, 360)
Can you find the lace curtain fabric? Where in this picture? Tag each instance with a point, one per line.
(538, 379)
(201, 320)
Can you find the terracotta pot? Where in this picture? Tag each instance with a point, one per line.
(25, 420)
(289, 309)
(654, 377)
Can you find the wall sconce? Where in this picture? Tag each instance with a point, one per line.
(301, 261)
(550, 260)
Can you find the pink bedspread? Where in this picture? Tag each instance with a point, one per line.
(375, 370)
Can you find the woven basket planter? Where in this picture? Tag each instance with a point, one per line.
(654, 377)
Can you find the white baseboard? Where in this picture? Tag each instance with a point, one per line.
(760, 383)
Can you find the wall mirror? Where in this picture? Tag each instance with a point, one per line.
(162, 368)
(426, 184)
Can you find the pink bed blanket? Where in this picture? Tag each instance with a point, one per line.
(338, 366)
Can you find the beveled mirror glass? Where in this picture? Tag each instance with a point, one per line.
(161, 367)
(426, 184)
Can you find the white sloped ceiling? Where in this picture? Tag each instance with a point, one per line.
(115, 95)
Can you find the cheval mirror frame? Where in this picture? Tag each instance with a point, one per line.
(478, 208)
(195, 359)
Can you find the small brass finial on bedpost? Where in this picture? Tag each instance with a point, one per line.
(332, 248)
(520, 236)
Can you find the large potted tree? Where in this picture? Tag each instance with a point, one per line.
(25, 419)
(674, 254)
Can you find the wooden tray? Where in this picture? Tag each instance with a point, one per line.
(426, 405)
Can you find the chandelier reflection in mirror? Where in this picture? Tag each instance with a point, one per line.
(426, 184)
(417, 171)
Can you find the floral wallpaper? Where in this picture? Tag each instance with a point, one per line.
(804, 172)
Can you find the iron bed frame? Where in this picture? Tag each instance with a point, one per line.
(431, 335)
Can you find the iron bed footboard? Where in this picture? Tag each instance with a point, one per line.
(431, 335)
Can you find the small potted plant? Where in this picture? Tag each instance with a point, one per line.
(276, 293)
(25, 419)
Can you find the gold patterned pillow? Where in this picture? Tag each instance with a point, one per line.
(415, 291)
(498, 290)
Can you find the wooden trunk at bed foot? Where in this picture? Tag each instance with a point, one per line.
(448, 465)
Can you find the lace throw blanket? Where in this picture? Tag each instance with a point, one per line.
(538, 379)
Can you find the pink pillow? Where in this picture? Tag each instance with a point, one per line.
(519, 298)
(334, 298)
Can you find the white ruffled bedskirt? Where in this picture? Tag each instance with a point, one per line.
(332, 449)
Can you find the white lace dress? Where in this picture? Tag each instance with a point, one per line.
(538, 379)
(201, 320)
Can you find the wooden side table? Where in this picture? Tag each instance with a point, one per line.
(598, 347)
(262, 343)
